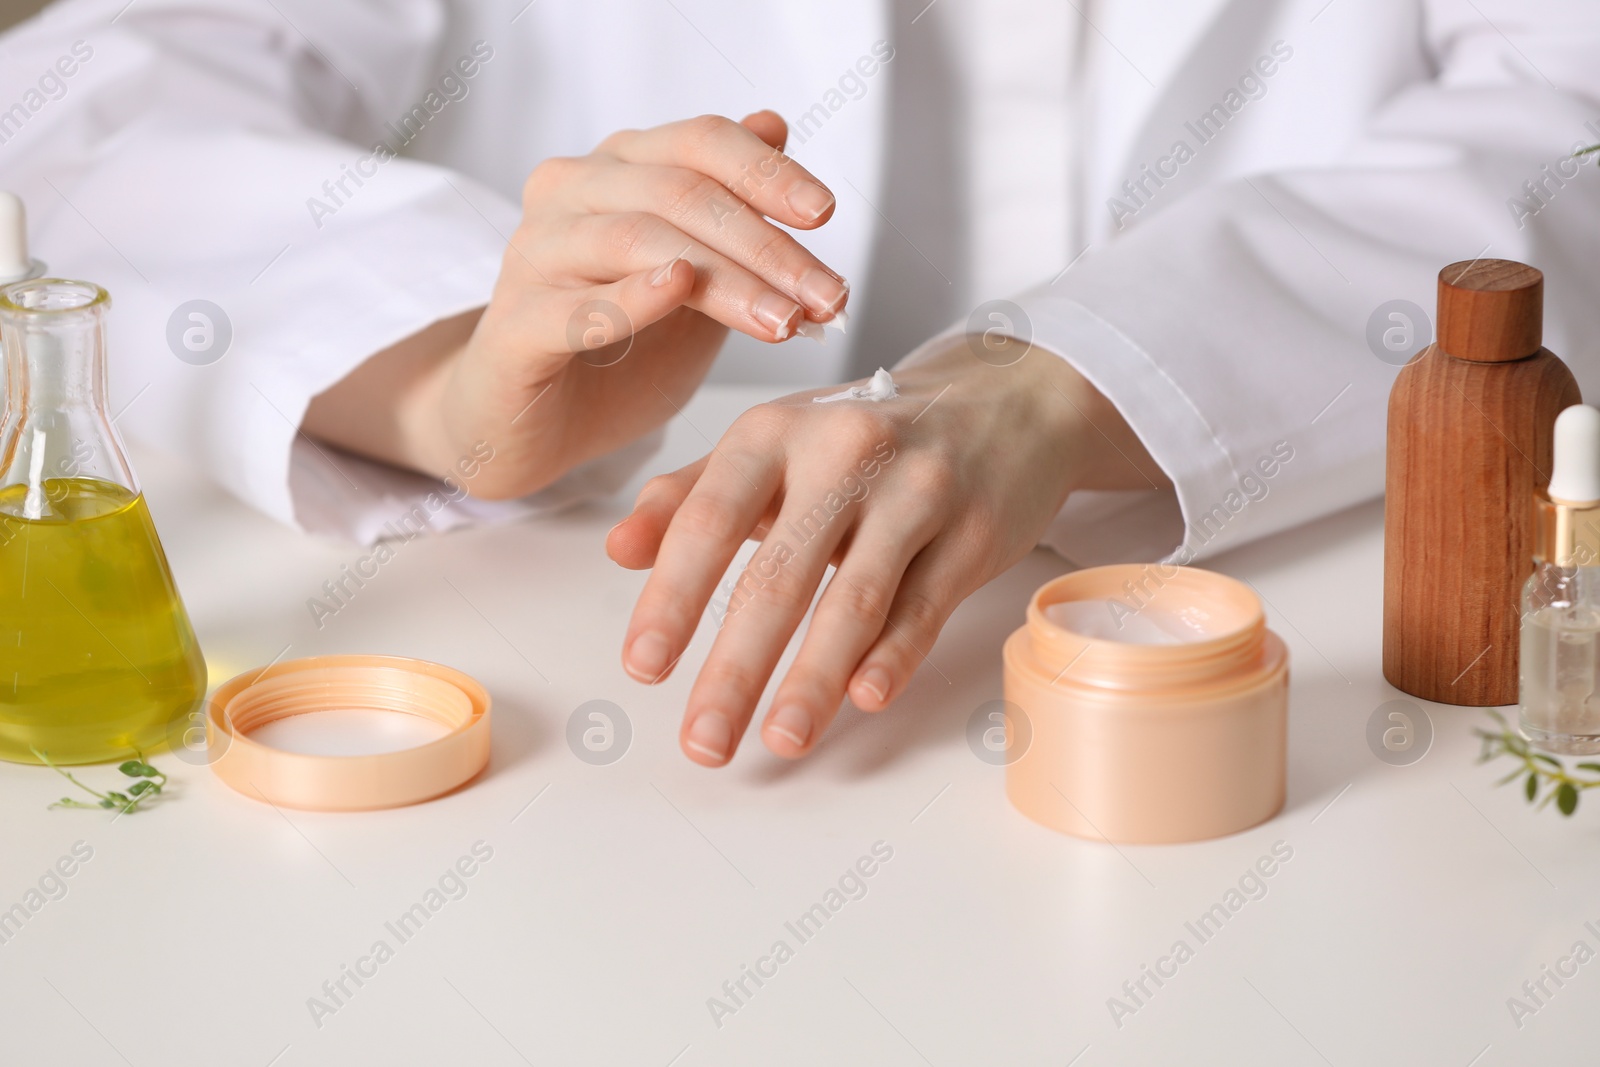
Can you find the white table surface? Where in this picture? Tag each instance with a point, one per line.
(1417, 900)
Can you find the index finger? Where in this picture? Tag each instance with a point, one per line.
(753, 170)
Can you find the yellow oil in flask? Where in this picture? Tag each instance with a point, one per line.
(97, 655)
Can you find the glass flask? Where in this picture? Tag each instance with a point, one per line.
(97, 655)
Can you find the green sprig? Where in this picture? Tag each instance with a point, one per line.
(147, 784)
(1540, 773)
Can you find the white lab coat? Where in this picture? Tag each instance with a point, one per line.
(1223, 308)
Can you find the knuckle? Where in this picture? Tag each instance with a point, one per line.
(729, 675)
(861, 431)
(763, 422)
(788, 593)
(776, 249)
(777, 579)
(657, 488)
(549, 175)
(860, 596)
(919, 615)
(688, 194)
(931, 477)
(703, 130)
(708, 519)
(633, 233)
(617, 141)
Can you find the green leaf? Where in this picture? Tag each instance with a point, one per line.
(1552, 761)
(1567, 798)
(1589, 767)
(139, 788)
(120, 798)
(138, 769)
(107, 804)
(1532, 788)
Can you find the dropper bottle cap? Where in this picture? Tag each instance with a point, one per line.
(15, 264)
(1569, 511)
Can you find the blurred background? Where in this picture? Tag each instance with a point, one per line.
(14, 11)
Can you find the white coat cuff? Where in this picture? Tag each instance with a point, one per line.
(340, 495)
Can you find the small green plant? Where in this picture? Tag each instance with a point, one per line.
(147, 784)
(1540, 773)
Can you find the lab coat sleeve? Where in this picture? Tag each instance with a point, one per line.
(1229, 324)
(245, 154)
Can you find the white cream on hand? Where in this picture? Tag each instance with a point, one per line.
(814, 330)
(879, 387)
(1112, 620)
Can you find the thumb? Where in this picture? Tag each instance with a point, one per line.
(597, 324)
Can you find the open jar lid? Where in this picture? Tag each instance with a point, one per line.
(348, 783)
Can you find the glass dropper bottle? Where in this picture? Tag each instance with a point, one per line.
(1559, 692)
(97, 655)
(15, 263)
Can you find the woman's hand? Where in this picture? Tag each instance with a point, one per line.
(917, 501)
(615, 293)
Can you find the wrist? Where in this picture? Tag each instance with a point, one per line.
(426, 415)
(1112, 455)
(393, 406)
(1090, 441)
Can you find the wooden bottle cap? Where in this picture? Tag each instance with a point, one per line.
(1491, 310)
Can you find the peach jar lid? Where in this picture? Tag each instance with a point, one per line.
(348, 783)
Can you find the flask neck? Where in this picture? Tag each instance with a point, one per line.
(56, 427)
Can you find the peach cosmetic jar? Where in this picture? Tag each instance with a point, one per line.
(1149, 704)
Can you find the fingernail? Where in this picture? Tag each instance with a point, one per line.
(664, 275)
(821, 291)
(649, 656)
(776, 314)
(876, 681)
(808, 200)
(792, 723)
(710, 735)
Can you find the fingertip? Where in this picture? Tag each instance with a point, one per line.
(622, 545)
(648, 657)
(767, 125)
(708, 740)
(872, 689)
(677, 274)
(633, 543)
(783, 740)
(783, 747)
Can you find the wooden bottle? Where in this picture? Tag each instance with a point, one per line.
(1471, 423)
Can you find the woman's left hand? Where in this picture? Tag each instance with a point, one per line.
(917, 501)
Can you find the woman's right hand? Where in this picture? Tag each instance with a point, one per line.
(615, 293)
